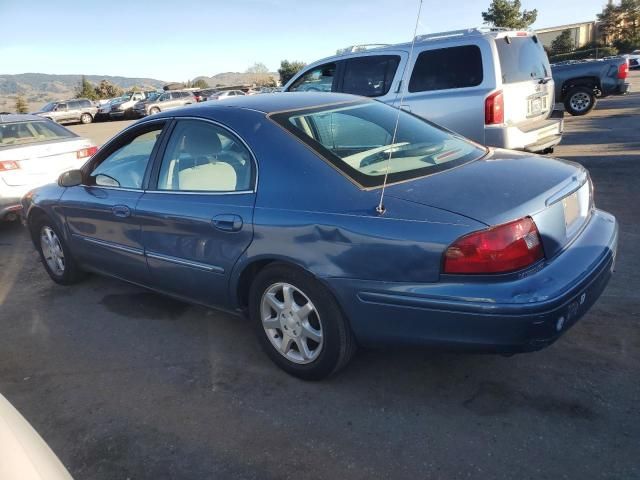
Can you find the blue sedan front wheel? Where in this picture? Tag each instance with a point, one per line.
(55, 254)
(299, 323)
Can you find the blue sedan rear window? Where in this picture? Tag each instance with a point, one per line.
(358, 139)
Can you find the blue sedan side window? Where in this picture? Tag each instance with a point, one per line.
(201, 156)
(126, 166)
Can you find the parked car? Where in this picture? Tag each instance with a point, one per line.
(634, 59)
(125, 107)
(69, 111)
(227, 205)
(140, 106)
(493, 86)
(34, 151)
(578, 83)
(25, 455)
(225, 94)
(165, 101)
(201, 95)
(105, 108)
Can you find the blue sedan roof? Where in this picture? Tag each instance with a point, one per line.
(276, 102)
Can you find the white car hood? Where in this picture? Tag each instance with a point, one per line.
(24, 455)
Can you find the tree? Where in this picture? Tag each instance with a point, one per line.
(506, 13)
(85, 89)
(620, 24)
(288, 69)
(200, 83)
(563, 43)
(258, 68)
(106, 89)
(259, 73)
(21, 105)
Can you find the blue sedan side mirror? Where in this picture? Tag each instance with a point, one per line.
(71, 178)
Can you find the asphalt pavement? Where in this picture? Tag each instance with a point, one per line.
(125, 384)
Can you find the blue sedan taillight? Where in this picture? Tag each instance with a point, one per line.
(502, 249)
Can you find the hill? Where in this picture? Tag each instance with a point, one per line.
(39, 88)
(234, 78)
(25, 83)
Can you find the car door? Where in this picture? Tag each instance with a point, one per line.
(101, 213)
(174, 101)
(197, 216)
(448, 85)
(75, 111)
(321, 78)
(60, 112)
(373, 75)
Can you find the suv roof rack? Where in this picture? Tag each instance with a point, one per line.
(360, 48)
(463, 32)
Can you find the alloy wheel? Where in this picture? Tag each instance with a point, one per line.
(52, 250)
(580, 101)
(292, 323)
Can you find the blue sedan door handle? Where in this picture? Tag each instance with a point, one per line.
(121, 211)
(227, 222)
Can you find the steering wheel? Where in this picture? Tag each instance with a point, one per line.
(402, 151)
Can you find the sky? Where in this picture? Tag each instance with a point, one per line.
(177, 41)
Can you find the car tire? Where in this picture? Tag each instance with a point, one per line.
(312, 338)
(86, 118)
(154, 110)
(579, 101)
(51, 245)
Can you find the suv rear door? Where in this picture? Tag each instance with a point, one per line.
(527, 85)
(73, 114)
(447, 85)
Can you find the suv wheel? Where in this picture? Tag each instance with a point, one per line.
(154, 110)
(579, 101)
(299, 323)
(86, 118)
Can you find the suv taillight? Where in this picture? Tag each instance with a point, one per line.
(623, 70)
(502, 249)
(86, 152)
(494, 109)
(6, 165)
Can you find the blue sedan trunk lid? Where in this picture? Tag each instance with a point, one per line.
(505, 186)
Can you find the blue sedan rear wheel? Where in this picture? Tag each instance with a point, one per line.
(299, 323)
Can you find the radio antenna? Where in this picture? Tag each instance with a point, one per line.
(380, 208)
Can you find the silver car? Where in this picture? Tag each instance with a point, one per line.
(34, 151)
(69, 111)
(165, 101)
(491, 85)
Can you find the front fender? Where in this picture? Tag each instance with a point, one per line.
(45, 199)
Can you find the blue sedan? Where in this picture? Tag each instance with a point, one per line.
(331, 228)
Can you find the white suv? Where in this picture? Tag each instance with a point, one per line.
(491, 85)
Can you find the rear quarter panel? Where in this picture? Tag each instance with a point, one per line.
(310, 215)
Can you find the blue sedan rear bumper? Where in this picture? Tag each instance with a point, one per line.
(505, 316)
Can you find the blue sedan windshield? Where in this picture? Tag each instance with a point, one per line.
(358, 139)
